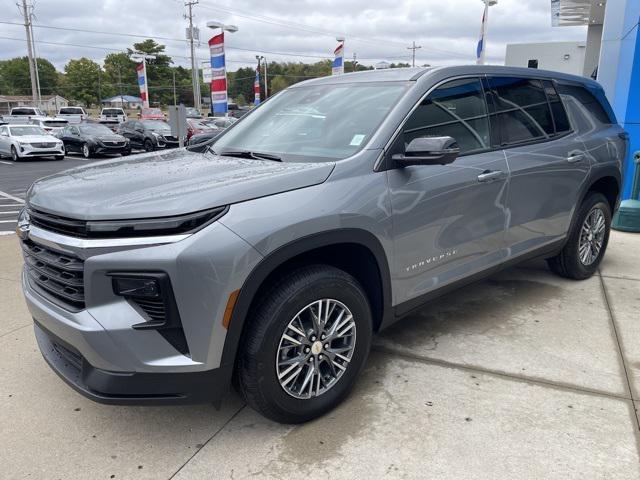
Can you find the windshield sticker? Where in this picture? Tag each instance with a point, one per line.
(357, 140)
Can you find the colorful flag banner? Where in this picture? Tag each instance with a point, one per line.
(256, 86)
(142, 82)
(219, 74)
(337, 68)
(481, 43)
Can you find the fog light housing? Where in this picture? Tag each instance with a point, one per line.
(140, 287)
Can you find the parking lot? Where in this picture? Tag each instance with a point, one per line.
(16, 177)
(524, 375)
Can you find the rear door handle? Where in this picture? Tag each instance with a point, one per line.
(575, 158)
(490, 176)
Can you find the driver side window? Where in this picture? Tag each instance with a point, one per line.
(455, 109)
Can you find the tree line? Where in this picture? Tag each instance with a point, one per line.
(85, 82)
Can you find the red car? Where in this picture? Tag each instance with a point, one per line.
(151, 114)
(196, 127)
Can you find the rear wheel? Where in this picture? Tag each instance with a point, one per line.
(306, 344)
(587, 242)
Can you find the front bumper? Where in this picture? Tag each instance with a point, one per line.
(118, 388)
(119, 364)
(105, 149)
(29, 151)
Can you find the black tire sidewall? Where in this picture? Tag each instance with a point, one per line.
(14, 154)
(148, 146)
(580, 270)
(338, 287)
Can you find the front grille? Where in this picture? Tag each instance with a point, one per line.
(170, 138)
(43, 145)
(113, 144)
(57, 224)
(57, 276)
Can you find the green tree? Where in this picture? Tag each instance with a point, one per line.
(15, 78)
(120, 74)
(159, 71)
(82, 81)
(278, 83)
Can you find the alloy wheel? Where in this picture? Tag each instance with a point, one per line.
(592, 236)
(315, 348)
(85, 151)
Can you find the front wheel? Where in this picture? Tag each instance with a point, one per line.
(59, 157)
(148, 146)
(587, 241)
(14, 154)
(86, 151)
(306, 344)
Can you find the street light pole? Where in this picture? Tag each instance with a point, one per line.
(266, 79)
(225, 28)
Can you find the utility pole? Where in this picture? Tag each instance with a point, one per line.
(414, 47)
(195, 79)
(35, 56)
(32, 72)
(355, 61)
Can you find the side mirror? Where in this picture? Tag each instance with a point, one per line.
(428, 151)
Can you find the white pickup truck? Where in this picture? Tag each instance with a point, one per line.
(24, 115)
(73, 114)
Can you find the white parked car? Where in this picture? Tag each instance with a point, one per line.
(50, 125)
(73, 114)
(111, 114)
(28, 141)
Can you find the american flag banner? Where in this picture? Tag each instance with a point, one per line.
(256, 86)
(481, 43)
(337, 68)
(219, 74)
(142, 82)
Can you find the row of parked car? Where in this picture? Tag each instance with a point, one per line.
(117, 135)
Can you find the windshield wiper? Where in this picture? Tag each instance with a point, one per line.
(250, 154)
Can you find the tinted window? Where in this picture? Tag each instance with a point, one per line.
(456, 109)
(588, 100)
(521, 110)
(560, 118)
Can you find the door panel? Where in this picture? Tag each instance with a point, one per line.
(546, 171)
(447, 224)
(448, 220)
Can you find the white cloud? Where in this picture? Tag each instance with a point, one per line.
(375, 29)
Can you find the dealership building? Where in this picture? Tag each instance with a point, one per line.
(610, 53)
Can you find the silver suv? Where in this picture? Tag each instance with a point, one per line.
(325, 215)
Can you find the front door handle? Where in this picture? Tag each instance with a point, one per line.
(575, 157)
(490, 176)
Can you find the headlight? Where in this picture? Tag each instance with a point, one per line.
(24, 221)
(173, 225)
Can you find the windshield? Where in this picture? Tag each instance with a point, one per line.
(315, 122)
(156, 125)
(54, 123)
(95, 130)
(22, 131)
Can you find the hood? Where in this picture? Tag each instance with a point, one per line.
(167, 183)
(36, 138)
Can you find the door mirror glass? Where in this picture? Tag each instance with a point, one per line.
(428, 151)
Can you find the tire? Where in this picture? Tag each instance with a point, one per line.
(264, 344)
(126, 152)
(569, 263)
(14, 154)
(149, 146)
(66, 149)
(59, 157)
(86, 151)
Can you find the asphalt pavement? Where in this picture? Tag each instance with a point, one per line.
(17, 177)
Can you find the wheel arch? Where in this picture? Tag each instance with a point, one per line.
(355, 245)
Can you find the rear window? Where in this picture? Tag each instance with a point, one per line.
(522, 113)
(593, 100)
(23, 111)
(112, 111)
(71, 111)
